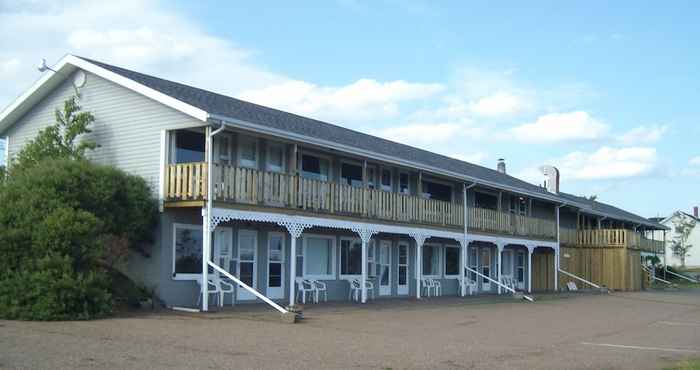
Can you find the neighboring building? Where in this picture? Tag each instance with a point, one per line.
(358, 206)
(692, 259)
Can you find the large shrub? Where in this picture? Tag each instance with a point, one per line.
(59, 220)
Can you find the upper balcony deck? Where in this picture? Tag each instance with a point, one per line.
(610, 238)
(281, 191)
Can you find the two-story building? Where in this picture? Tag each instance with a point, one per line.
(268, 198)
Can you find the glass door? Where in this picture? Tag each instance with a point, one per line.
(275, 266)
(385, 267)
(520, 270)
(247, 255)
(485, 267)
(403, 270)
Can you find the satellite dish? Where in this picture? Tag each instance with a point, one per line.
(42, 67)
(79, 79)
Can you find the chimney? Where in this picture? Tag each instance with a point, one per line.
(695, 211)
(501, 166)
(551, 182)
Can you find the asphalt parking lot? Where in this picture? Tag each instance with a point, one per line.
(646, 330)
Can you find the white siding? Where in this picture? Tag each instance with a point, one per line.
(127, 125)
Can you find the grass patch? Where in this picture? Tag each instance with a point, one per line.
(685, 365)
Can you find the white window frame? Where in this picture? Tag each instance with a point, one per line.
(434, 275)
(444, 261)
(334, 260)
(219, 157)
(269, 166)
(389, 187)
(408, 183)
(328, 158)
(174, 275)
(342, 276)
(239, 150)
(353, 163)
(516, 267)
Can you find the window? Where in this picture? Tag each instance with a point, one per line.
(247, 152)
(351, 174)
(187, 251)
(386, 180)
(315, 168)
(434, 190)
(451, 261)
(472, 263)
(371, 177)
(4, 148)
(275, 158)
(350, 257)
(520, 267)
(404, 183)
(318, 257)
(371, 271)
(222, 144)
(189, 146)
(431, 261)
(518, 205)
(487, 201)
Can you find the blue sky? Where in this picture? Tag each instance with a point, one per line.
(605, 91)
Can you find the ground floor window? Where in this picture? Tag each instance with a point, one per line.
(319, 254)
(187, 251)
(350, 257)
(451, 261)
(431, 260)
(473, 263)
(520, 267)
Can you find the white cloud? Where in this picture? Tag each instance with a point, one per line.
(360, 100)
(643, 135)
(557, 127)
(498, 104)
(695, 161)
(608, 163)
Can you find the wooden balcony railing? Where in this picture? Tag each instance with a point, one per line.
(610, 238)
(248, 186)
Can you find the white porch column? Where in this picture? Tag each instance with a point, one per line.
(365, 236)
(500, 247)
(295, 230)
(530, 249)
(420, 240)
(206, 248)
(556, 269)
(464, 243)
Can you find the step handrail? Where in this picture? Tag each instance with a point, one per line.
(653, 276)
(246, 287)
(499, 283)
(682, 276)
(579, 278)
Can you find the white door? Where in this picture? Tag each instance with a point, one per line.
(223, 251)
(275, 265)
(520, 269)
(485, 267)
(247, 256)
(403, 270)
(385, 267)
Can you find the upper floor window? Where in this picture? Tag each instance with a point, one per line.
(371, 177)
(222, 148)
(518, 205)
(314, 167)
(351, 174)
(3, 151)
(435, 190)
(247, 152)
(487, 201)
(275, 157)
(404, 186)
(189, 146)
(385, 180)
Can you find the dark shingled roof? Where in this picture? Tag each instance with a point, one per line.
(221, 105)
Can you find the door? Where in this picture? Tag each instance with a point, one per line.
(507, 260)
(223, 252)
(403, 270)
(275, 265)
(385, 267)
(247, 256)
(485, 267)
(520, 269)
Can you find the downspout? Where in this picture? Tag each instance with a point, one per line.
(556, 252)
(465, 244)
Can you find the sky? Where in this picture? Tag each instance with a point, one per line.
(607, 92)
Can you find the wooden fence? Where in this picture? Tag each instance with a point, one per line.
(610, 238)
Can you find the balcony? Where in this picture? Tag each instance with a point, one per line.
(610, 238)
(188, 182)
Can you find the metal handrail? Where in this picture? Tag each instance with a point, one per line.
(579, 278)
(682, 276)
(653, 276)
(246, 287)
(499, 284)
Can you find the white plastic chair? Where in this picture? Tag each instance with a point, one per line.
(319, 287)
(427, 285)
(437, 286)
(212, 288)
(468, 285)
(508, 281)
(304, 286)
(224, 288)
(354, 289)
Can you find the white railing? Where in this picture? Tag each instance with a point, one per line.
(579, 278)
(653, 276)
(246, 287)
(682, 276)
(499, 283)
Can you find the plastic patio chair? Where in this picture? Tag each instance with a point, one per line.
(304, 287)
(319, 287)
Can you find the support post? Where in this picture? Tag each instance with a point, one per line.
(206, 240)
(420, 240)
(499, 247)
(530, 249)
(365, 236)
(556, 269)
(295, 230)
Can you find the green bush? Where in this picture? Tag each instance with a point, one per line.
(58, 219)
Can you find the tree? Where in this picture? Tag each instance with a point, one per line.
(682, 227)
(60, 140)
